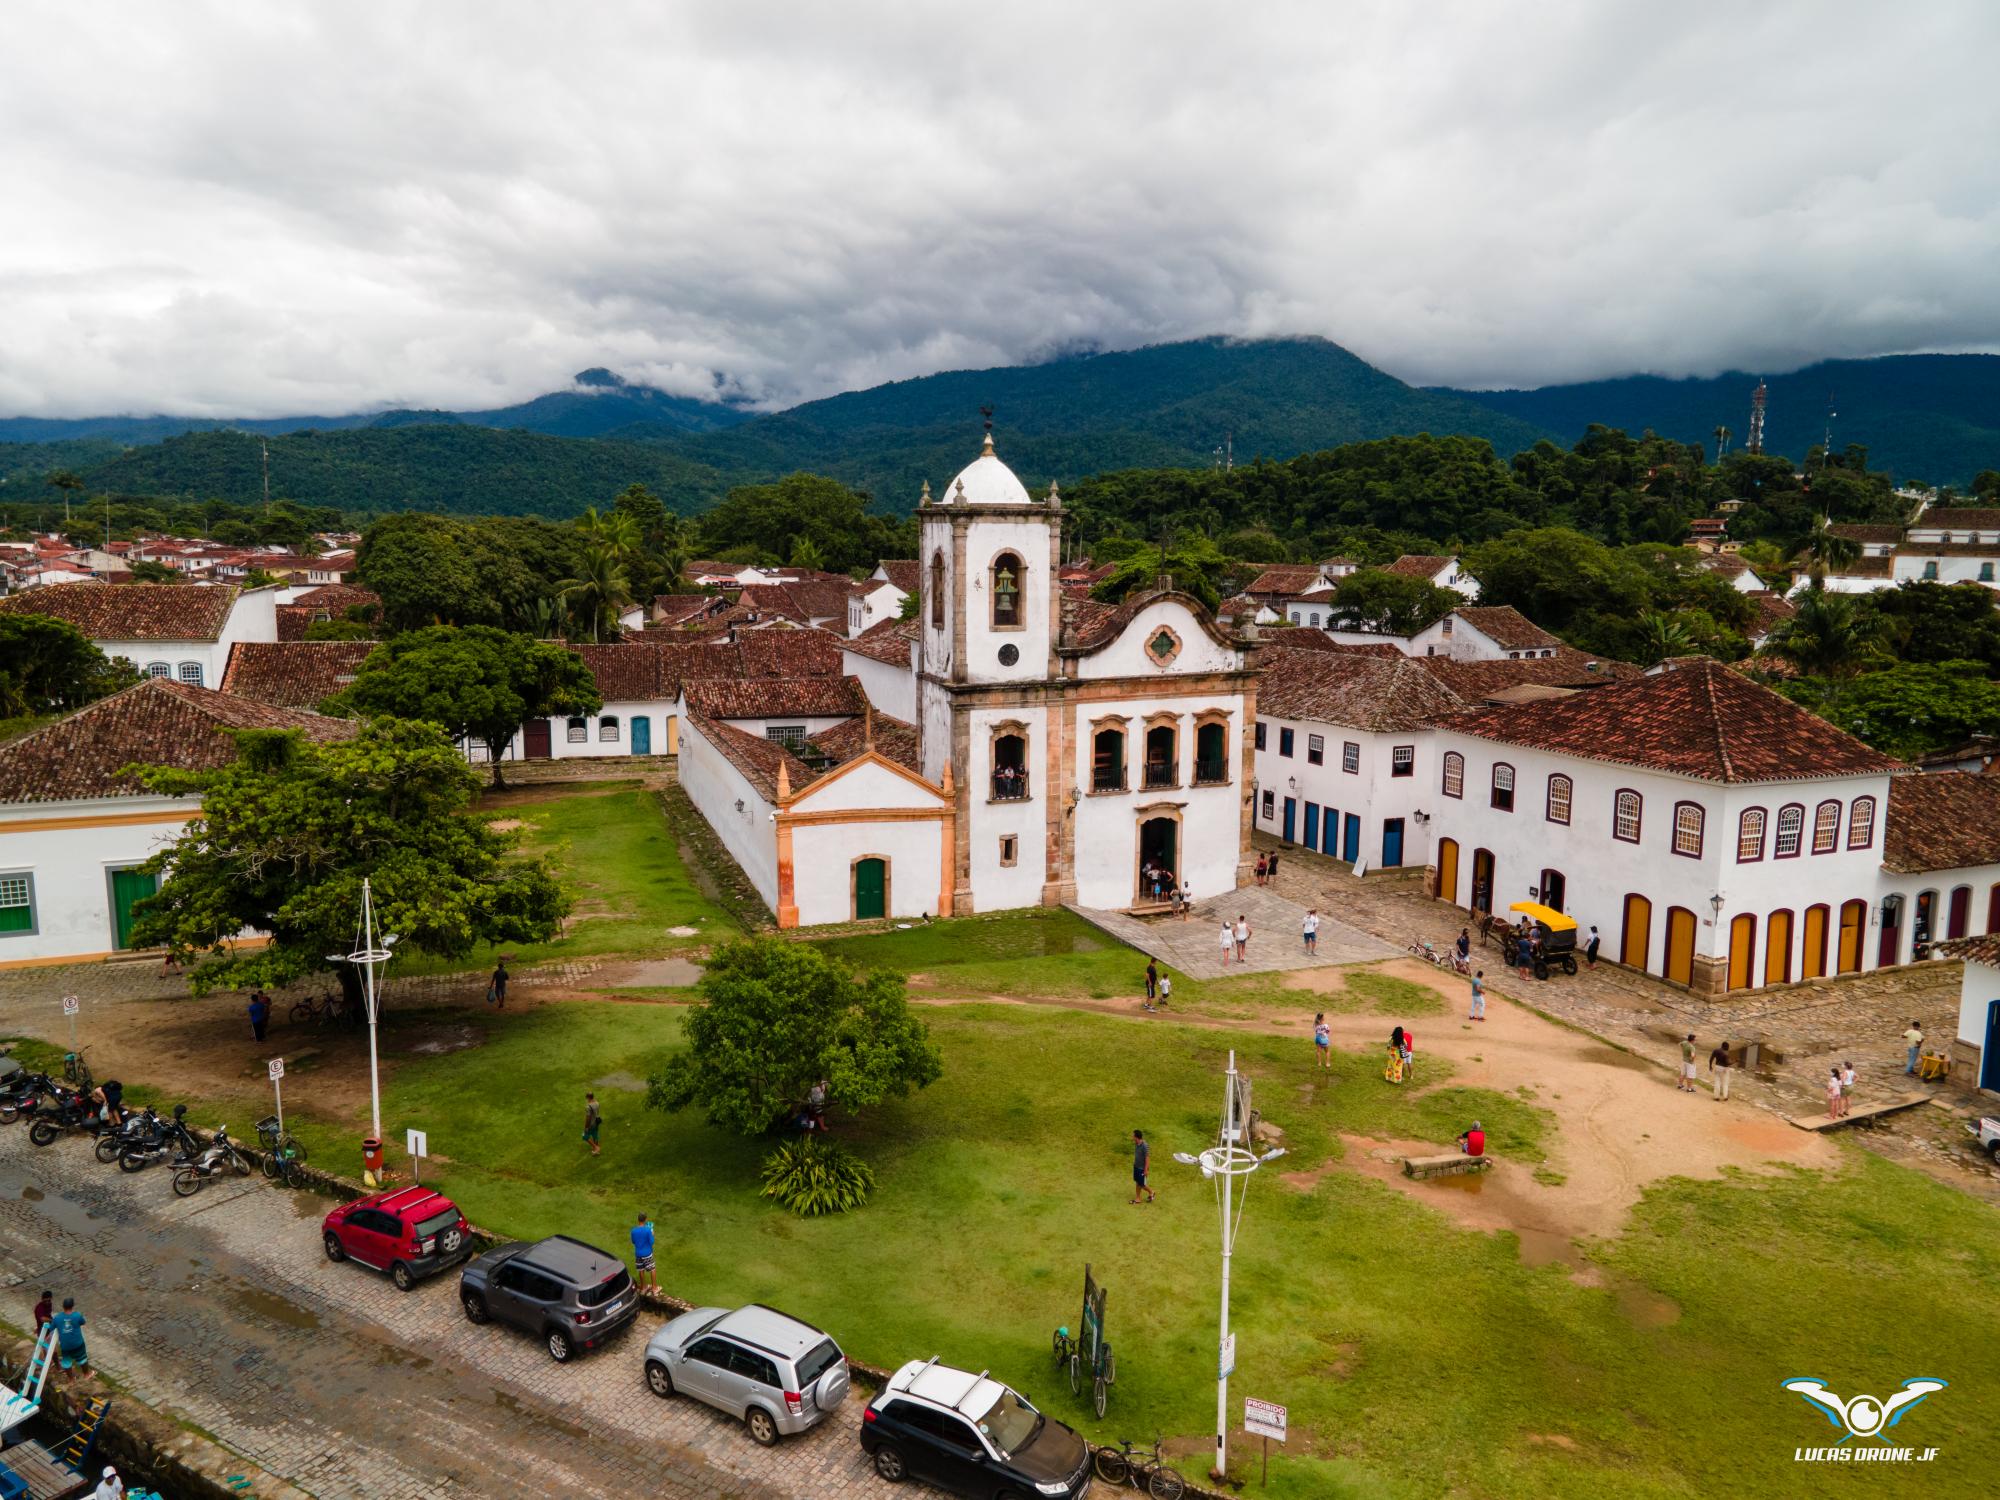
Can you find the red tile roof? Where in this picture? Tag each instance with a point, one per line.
(1090, 625)
(774, 697)
(1772, 610)
(1357, 692)
(894, 739)
(1959, 518)
(890, 641)
(630, 672)
(1476, 681)
(806, 603)
(1702, 721)
(1507, 627)
(906, 573)
(1942, 820)
(131, 611)
(1854, 531)
(1295, 638)
(1284, 578)
(156, 722)
(292, 674)
(1984, 949)
(1416, 565)
(756, 757)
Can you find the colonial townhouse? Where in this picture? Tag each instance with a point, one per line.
(163, 629)
(1440, 572)
(881, 596)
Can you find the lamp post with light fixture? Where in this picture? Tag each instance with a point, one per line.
(370, 958)
(1233, 1156)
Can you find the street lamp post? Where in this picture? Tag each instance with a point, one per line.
(1232, 1157)
(370, 958)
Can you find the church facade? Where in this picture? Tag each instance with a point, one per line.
(1086, 745)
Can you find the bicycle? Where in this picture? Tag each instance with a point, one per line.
(283, 1155)
(329, 1007)
(77, 1072)
(1070, 1355)
(1143, 1471)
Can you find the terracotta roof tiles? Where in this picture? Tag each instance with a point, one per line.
(894, 739)
(774, 698)
(1942, 820)
(292, 674)
(753, 755)
(1506, 627)
(1358, 692)
(1284, 578)
(131, 611)
(1417, 565)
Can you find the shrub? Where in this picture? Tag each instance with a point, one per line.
(812, 1176)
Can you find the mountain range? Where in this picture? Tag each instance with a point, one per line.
(1934, 417)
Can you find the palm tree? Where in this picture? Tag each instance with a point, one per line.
(1664, 636)
(1827, 551)
(1830, 636)
(69, 484)
(601, 588)
(1722, 437)
(806, 554)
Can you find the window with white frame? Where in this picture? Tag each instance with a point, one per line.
(1454, 774)
(1560, 791)
(1861, 823)
(1315, 749)
(1270, 805)
(158, 669)
(1826, 827)
(190, 673)
(578, 731)
(1350, 757)
(1503, 787)
(1689, 817)
(1402, 760)
(1627, 810)
(17, 904)
(607, 729)
(1750, 836)
(791, 736)
(1791, 829)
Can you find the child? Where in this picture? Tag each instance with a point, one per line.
(1409, 1054)
(1322, 1040)
(1166, 989)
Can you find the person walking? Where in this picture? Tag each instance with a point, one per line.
(1914, 1040)
(1322, 1040)
(1409, 1053)
(1590, 949)
(1833, 1093)
(496, 989)
(69, 1339)
(1142, 1155)
(1686, 1084)
(1312, 930)
(1152, 981)
(593, 1121)
(1166, 989)
(1228, 941)
(1260, 869)
(1478, 1011)
(1846, 1087)
(1242, 936)
(44, 1310)
(642, 1255)
(1271, 869)
(1718, 1067)
(260, 1014)
(1392, 1067)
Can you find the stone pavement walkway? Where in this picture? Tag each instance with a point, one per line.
(1194, 947)
(221, 1310)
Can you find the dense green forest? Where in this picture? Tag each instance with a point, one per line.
(1928, 417)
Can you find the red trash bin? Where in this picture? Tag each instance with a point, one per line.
(371, 1154)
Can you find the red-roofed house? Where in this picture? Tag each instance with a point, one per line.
(164, 629)
(1440, 572)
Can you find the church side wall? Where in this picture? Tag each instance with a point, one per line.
(998, 887)
(716, 787)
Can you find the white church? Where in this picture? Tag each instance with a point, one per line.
(1060, 747)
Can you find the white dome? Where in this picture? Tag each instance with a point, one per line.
(986, 481)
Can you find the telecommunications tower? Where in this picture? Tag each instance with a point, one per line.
(1755, 442)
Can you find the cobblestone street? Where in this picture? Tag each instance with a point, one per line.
(222, 1311)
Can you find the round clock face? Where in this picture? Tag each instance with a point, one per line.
(1009, 654)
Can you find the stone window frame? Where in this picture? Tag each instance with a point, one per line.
(1160, 719)
(1122, 724)
(1010, 850)
(1020, 592)
(854, 886)
(1165, 659)
(1217, 718)
(995, 733)
(937, 590)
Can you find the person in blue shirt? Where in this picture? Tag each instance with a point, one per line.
(69, 1339)
(642, 1254)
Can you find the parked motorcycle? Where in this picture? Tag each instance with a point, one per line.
(218, 1157)
(63, 1109)
(170, 1140)
(21, 1093)
(140, 1126)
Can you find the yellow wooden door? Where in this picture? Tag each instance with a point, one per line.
(1778, 948)
(1635, 943)
(1448, 870)
(1812, 954)
(1742, 952)
(1680, 945)
(1853, 916)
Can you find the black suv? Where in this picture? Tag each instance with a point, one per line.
(970, 1435)
(570, 1295)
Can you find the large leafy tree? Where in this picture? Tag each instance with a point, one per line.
(49, 666)
(420, 567)
(474, 681)
(288, 831)
(1911, 709)
(836, 519)
(1829, 636)
(1937, 622)
(776, 1017)
(1389, 603)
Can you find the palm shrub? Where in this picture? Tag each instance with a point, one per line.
(812, 1176)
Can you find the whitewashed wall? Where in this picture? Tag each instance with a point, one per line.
(715, 787)
(893, 690)
(1977, 993)
(71, 869)
(1126, 657)
(997, 887)
(1028, 539)
(823, 854)
(1373, 792)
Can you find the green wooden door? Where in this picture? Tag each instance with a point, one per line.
(127, 887)
(870, 881)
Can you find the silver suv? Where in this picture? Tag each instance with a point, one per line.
(779, 1375)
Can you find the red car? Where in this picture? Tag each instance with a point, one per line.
(409, 1232)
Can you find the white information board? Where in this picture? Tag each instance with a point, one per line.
(1263, 1418)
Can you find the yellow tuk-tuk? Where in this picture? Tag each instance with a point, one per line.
(1555, 935)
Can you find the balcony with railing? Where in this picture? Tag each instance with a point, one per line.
(1107, 778)
(1211, 772)
(1160, 774)
(1010, 784)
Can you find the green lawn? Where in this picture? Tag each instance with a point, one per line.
(615, 852)
(1417, 1358)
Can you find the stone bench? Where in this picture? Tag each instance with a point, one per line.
(1446, 1164)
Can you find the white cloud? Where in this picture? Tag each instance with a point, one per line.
(237, 209)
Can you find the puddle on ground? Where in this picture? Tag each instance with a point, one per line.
(395, 1354)
(658, 973)
(508, 1402)
(276, 1308)
(32, 1194)
(442, 1039)
(628, 1082)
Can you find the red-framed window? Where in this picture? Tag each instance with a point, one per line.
(1750, 835)
(1561, 789)
(1627, 816)
(1861, 823)
(1503, 786)
(1791, 831)
(1826, 827)
(1690, 819)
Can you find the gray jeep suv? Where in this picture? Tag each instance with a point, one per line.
(570, 1295)
(781, 1376)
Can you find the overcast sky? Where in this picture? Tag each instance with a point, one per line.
(266, 209)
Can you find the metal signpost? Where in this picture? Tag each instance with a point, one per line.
(1265, 1419)
(277, 1072)
(418, 1143)
(71, 1005)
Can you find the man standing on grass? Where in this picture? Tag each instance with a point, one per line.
(1141, 1162)
(1152, 981)
(496, 992)
(593, 1119)
(642, 1255)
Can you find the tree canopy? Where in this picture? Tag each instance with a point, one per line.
(288, 831)
(1910, 709)
(472, 681)
(777, 1017)
(836, 520)
(49, 666)
(1388, 603)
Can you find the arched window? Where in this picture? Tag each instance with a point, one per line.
(1454, 774)
(1689, 819)
(1107, 761)
(1211, 753)
(1791, 831)
(1627, 809)
(1010, 765)
(1503, 787)
(1560, 791)
(1750, 836)
(1826, 827)
(158, 669)
(191, 673)
(607, 729)
(1007, 582)
(1313, 619)
(578, 731)
(937, 591)
(1861, 823)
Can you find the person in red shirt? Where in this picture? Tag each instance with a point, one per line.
(1473, 1142)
